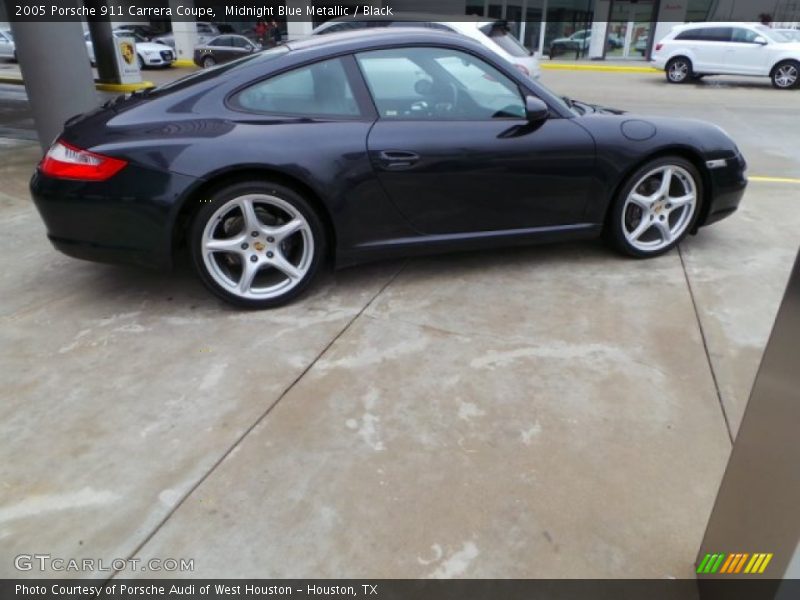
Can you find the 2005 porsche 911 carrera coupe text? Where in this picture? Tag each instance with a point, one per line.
(366, 145)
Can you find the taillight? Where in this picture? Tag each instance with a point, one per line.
(523, 68)
(67, 162)
(659, 47)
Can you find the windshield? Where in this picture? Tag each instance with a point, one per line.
(8, 34)
(775, 36)
(501, 36)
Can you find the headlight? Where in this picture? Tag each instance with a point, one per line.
(150, 52)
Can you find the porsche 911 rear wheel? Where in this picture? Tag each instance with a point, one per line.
(656, 207)
(256, 244)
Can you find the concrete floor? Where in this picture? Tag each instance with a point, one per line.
(544, 412)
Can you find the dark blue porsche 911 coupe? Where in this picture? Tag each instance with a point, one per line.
(366, 145)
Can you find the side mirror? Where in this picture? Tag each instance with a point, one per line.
(536, 110)
(760, 39)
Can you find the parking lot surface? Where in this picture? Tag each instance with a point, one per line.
(553, 411)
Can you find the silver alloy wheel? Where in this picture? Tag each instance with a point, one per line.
(678, 71)
(659, 208)
(786, 76)
(208, 62)
(257, 246)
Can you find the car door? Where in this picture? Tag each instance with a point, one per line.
(711, 53)
(744, 55)
(454, 152)
(240, 46)
(223, 48)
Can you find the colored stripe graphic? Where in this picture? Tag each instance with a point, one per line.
(741, 562)
(717, 563)
(701, 568)
(734, 563)
(764, 564)
(727, 564)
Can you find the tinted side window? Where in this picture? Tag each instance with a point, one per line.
(438, 84)
(321, 89)
(716, 34)
(706, 34)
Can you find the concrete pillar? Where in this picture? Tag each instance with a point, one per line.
(758, 501)
(184, 32)
(59, 85)
(296, 27)
(602, 9)
(669, 15)
(105, 56)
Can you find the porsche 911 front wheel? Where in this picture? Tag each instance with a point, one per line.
(256, 244)
(656, 207)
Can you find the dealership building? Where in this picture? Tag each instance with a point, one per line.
(580, 29)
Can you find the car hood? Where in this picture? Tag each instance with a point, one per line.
(711, 140)
(151, 47)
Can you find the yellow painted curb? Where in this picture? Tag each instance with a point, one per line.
(763, 179)
(103, 87)
(124, 87)
(183, 62)
(606, 68)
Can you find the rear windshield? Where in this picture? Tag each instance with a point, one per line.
(214, 72)
(501, 36)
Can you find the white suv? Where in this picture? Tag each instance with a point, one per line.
(692, 51)
(492, 33)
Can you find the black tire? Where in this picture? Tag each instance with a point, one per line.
(209, 62)
(786, 75)
(140, 60)
(617, 216)
(215, 201)
(679, 70)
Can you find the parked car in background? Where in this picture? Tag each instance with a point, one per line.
(693, 51)
(491, 33)
(222, 49)
(577, 42)
(149, 54)
(7, 47)
(205, 33)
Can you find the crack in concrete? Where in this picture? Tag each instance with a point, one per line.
(705, 345)
(260, 419)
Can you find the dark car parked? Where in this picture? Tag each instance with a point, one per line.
(353, 147)
(222, 49)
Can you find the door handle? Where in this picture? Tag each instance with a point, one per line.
(397, 159)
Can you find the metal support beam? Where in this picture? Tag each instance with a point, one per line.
(105, 57)
(757, 511)
(59, 85)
